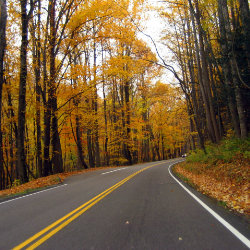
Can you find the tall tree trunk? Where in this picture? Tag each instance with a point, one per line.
(106, 155)
(47, 164)
(38, 93)
(80, 158)
(57, 161)
(15, 129)
(95, 106)
(200, 78)
(3, 19)
(123, 117)
(195, 108)
(245, 18)
(114, 121)
(226, 69)
(127, 119)
(145, 140)
(47, 125)
(152, 139)
(22, 95)
(90, 152)
(239, 101)
(88, 102)
(47, 115)
(216, 97)
(206, 78)
(37, 67)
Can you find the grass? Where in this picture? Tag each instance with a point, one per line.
(223, 204)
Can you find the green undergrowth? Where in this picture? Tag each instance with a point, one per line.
(225, 151)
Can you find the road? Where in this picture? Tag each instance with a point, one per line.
(135, 207)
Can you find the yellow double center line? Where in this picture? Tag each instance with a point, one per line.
(72, 215)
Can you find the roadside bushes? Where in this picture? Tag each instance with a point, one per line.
(225, 151)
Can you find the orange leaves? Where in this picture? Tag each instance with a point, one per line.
(32, 185)
(223, 182)
(43, 182)
(168, 114)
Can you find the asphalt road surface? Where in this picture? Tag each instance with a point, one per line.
(135, 207)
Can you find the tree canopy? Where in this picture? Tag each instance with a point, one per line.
(80, 88)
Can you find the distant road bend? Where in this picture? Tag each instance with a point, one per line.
(137, 207)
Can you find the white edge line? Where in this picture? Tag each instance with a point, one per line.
(113, 170)
(32, 194)
(221, 220)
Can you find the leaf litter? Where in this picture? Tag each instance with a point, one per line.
(43, 182)
(227, 182)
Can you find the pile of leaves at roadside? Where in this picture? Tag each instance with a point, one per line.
(228, 181)
(43, 182)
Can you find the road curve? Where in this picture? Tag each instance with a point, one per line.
(136, 207)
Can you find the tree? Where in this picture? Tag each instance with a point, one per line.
(70, 50)
(22, 91)
(3, 18)
(238, 94)
(217, 63)
(245, 18)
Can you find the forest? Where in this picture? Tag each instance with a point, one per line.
(80, 88)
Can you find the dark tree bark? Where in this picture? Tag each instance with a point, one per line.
(128, 129)
(80, 158)
(57, 161)
(38, 94)
(238, 94)
(226, 68)
(47, 167)
(200, 79)
(206, 78)
(47, 111)
(47, 124)
(36, 38)
(22, 92)
(3, 19)
(145, 140)
(88, 102)
(106, 154)
(193, 105)
(126, 114)
(90, 152)
(245, 18)
(96, 131)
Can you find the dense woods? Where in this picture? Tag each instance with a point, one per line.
(208, 40)
(79, 88)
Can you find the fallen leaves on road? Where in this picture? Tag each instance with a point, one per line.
(229, 183)
(44, 182)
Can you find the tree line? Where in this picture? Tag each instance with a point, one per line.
(210, 44)
(80, 89)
